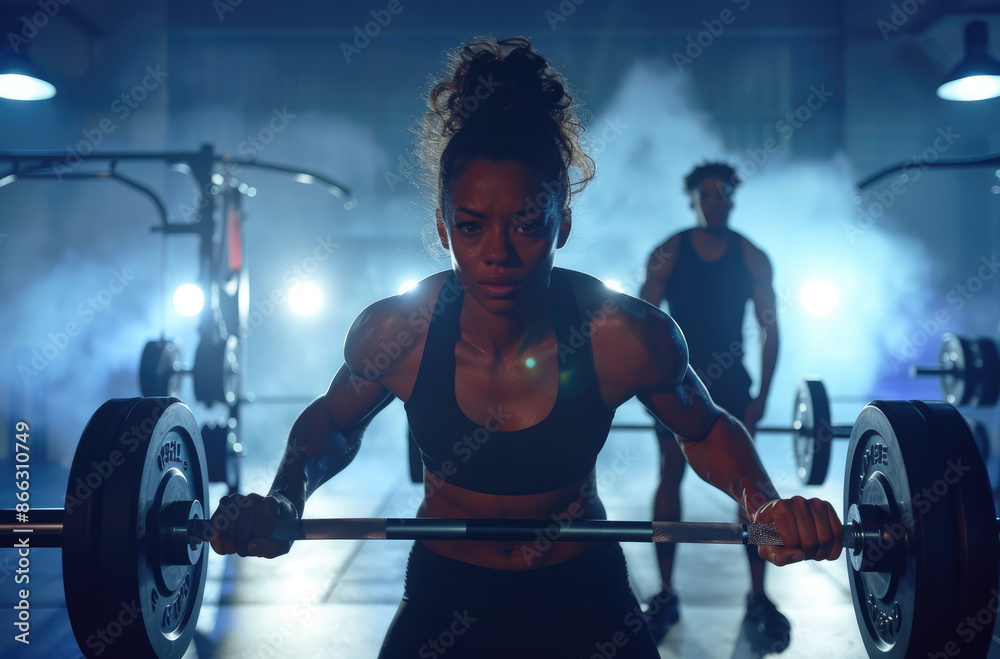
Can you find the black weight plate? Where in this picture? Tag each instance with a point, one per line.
(158, 368)
(216, 371)
(904, 595)
(975, 574)
(812, 432)
(135, 456)
(221, 454)
(981, 435)
(954, 357)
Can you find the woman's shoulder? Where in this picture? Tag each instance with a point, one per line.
(634, 343)
(621, 311)
(395, 320)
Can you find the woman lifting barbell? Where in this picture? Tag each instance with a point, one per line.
(508, 410)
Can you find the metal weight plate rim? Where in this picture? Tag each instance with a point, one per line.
(974, 530)
(810, 442)
(81, 553)
(175, 420)
(920, 590)
(956, 390)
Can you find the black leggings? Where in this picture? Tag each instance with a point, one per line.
(578, 609)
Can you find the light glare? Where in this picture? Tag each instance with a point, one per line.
(18, 87)
(819, 297)
(614, 285)
(407, 286)
(305, 298)
(972, 88)
(188, 300)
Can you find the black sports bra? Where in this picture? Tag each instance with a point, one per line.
(558, 451)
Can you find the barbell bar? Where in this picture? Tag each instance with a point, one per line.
(968, 369)
(922, 539)
(179, 532)
(811, 431)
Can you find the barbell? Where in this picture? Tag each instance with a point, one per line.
(811, 431)
(920, 530)
(968, 370)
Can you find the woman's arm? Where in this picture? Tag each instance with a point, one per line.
(324, 440)
(326, 437)
(720, 450)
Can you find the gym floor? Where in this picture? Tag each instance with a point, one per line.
(336, 598)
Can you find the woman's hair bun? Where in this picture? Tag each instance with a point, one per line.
(501, 99)
(496, 81)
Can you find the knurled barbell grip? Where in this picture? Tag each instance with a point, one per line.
(521, 530)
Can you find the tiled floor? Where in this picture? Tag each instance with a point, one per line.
(336, 599)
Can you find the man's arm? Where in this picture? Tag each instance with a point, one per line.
(658, 269)
(766, 314)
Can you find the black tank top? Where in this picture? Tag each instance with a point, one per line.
(558, 451)
(708, 301)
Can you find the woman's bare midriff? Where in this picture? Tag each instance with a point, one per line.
(574, 502)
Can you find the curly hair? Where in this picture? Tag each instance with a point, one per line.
(719, 170)
(501, 100)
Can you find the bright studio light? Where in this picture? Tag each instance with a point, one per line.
(614, 285)
(819, 297)
(407, 286)
(188, 300)
(972, 88)
(977, 76)
(18, 87)
(305, 298)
